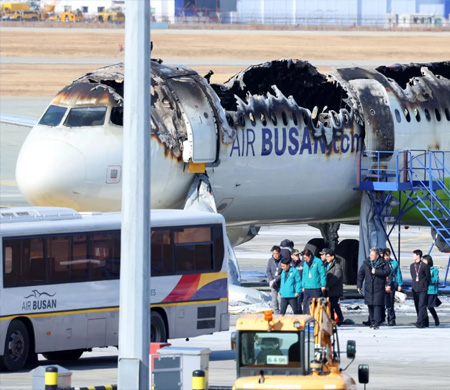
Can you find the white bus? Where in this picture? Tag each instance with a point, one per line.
(59, 280)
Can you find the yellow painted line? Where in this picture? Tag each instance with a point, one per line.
(8, 183)
(60, 313)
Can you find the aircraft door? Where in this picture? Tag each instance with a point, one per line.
(198, 115)
(378, 120)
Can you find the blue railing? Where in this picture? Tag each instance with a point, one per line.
(418, 173)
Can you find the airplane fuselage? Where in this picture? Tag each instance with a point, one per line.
(279, 142)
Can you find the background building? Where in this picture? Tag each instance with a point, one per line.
(389, 13)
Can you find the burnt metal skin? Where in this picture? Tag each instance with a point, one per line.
(287, 137)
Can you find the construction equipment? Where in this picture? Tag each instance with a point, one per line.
(48, 11)
(113, 15)
(292, 351)
(23, 15)
(10, 8)
(68, 16)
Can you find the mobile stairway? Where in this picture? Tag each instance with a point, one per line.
(404, 180)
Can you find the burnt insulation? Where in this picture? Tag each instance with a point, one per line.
(402, 74)
(295, 78)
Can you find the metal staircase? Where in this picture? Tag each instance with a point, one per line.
(421, 176)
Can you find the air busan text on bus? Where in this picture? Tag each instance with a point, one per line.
(59, 280)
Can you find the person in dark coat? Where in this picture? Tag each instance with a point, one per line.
(374, 272)
(273, 273)
(421, 279)
(335, 283)
(287, 248)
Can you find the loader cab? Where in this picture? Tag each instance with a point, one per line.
(275, 352)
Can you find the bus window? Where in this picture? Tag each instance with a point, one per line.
(37, 270)
(194, 234)
(162, 253)
(58, 255)
(8, 260)
(80, 260)
(219, 250)
(104, 255)
(193, 249)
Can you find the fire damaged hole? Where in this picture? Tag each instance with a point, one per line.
(273, 118)
(230, 120)
(402, 74)
(438, 114)
(295, 78)
(406, 113)
(241, 120)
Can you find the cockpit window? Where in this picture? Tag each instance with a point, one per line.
(53, 116)
(86, 116)
(117, 116)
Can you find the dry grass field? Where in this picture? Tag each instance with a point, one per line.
(34, 79)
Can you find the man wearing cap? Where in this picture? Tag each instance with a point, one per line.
(297, 263)
(314, 279)
(335, 283)
(323, 257)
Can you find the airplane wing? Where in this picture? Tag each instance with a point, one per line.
(25, 121)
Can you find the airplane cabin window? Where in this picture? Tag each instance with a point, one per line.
(53, 116)
(86, 116)
(117, 116)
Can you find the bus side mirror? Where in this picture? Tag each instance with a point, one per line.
(351, 349)
(233, 341)
(363, 373)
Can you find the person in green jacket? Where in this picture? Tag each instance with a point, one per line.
(433, 300)
(395, 283)
(314, 279)
(291, 287)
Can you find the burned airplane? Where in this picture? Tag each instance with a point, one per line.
(277, 143)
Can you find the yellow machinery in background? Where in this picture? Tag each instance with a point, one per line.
(292, 351)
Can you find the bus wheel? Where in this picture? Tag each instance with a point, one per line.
(73, 354)
(158, 333)
(17, 347)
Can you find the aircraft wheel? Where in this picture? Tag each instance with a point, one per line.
(315, 246)
(158, 331)
(347, 253)
(17, 347)
(73, 354)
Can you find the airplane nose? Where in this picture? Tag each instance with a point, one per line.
(51, 173)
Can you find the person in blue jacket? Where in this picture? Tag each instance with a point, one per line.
(395, 283)
(314, 279)
(290, 288)
(433, 300)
